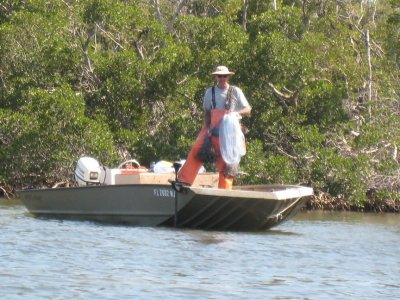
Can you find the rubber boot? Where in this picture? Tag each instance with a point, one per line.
(224, 182)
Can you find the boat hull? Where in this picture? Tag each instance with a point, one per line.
(245, 208)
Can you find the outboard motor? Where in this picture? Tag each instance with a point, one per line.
(87, 171)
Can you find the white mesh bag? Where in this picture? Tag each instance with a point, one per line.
(231, 139)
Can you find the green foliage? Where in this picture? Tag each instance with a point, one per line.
(216, 41)
(260, 168)
(341, 176)
(392, 40)
(53, 133)
(387, 196)
(322, 103)
(13, 126)
(117, 79)
(215, 8)
(35, 53)
(287, 21)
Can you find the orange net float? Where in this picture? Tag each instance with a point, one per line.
(134, 170)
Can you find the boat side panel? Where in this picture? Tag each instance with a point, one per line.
(136, 204)
(230, 213)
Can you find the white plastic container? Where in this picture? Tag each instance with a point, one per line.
(122, 176)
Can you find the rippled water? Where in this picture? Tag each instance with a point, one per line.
(315, 256)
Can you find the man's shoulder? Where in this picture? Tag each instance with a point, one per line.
(236, 88)
(208, 91)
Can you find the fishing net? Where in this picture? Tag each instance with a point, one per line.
(231, 139)
(207, 153)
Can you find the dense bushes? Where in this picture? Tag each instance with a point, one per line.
(117, 79)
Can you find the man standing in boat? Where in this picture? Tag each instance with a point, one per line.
(218, 100)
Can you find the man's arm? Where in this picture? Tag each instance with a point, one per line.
(244, 104)
(246, 111)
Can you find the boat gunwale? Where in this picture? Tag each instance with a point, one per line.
(283, 191)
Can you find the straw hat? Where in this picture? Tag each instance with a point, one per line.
(222, 70)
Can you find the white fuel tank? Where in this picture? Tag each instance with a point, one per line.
(87, 171)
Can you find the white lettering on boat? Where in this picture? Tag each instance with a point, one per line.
(164, 193)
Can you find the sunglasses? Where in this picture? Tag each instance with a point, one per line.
(222, 76)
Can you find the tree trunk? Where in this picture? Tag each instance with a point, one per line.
(244, 22)
(159, 16)
(369, 71)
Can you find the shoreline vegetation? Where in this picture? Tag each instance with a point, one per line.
(323, 201)
(116, 80)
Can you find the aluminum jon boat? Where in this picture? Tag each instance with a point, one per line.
(138, 197)
(246, 208)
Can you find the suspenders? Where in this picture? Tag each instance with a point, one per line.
(228, 101)
(214, 105)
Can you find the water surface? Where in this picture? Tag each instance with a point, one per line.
(314, 256)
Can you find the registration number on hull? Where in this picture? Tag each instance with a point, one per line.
(164, 193)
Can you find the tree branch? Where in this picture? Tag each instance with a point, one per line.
(110, 36)
(285, 98)
(187, 77)
(5, 193)
(178, 9)
(157, 7)
(84, 46)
